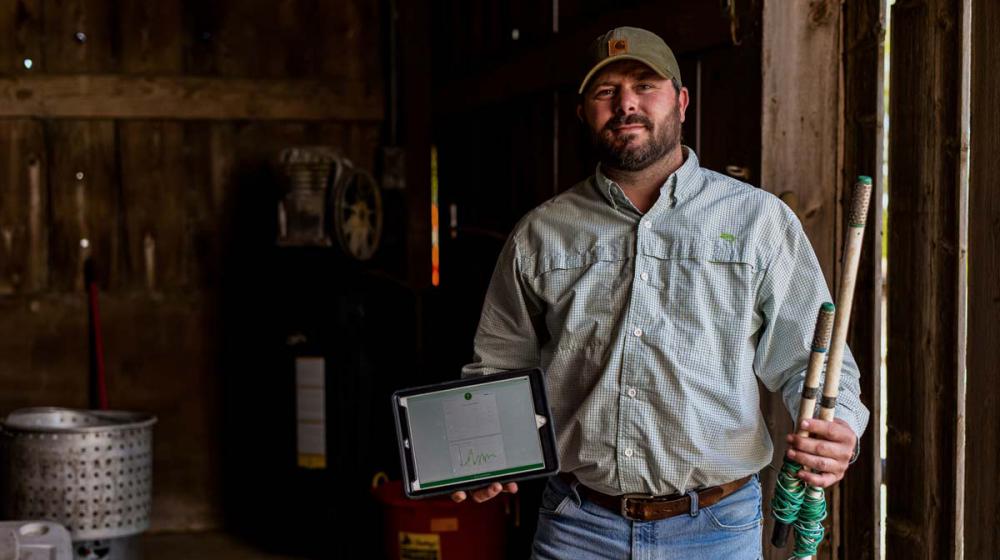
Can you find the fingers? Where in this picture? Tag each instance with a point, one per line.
(836, 430)
(484, 494)
(819, 480)
(821, 447)
(820, 472)
(834, 440)
(818, 463)
(492, 491)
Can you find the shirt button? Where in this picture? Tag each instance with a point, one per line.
(628, 452)
(631, 392)
(648, 224)
(644, 276)
(637, 332)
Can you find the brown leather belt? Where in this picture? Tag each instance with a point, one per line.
(643, 507)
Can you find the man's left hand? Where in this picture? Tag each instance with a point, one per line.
(827, 451)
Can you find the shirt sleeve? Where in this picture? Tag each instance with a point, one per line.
(512, 319)
(790, 294)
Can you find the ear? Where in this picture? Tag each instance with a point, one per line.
(579, 112)
(682, 101)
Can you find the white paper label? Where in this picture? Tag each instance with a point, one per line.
(310, 407)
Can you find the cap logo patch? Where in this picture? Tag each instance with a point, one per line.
(617, 46)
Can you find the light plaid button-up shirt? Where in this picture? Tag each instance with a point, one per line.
(652, 328)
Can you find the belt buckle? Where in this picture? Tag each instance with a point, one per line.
(626, 498)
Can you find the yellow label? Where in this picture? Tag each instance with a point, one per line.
(444, 524)
(419, 546)
(310, 461)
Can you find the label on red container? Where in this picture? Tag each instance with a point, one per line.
(419, 546)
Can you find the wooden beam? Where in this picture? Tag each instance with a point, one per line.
(982, 502)
(685, 26)
(864, 36)
(801, 163)
(105, 96)
(925, 302)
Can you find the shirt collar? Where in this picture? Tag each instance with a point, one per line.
(681, 180)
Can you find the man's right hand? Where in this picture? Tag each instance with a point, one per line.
(483, 494)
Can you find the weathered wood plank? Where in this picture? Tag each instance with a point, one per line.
(79, 36)
(292, 39)
(864, 28)
(208, 194)
(923, 279)
(336, 43)
(23, 207)
(154, 210)
(151, 37)
(184, 97)
(982, 501)
(800, 159)
(801, 118)
(367, 17)
(20, 36)
(247, 39)
(83, 186)
(201, 21)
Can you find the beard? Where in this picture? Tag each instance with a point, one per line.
(618, 151)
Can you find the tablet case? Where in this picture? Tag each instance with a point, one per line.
(543, 422)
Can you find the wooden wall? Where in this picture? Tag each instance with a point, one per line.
(801, 130)
(822, 115)
(982, 459)
(860, 504)
(148, 129)
(925, 355)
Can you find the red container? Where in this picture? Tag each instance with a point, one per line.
(440, 529)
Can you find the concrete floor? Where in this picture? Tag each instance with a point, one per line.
(198, 546)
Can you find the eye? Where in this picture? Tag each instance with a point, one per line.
(645, 86)
(604, 92)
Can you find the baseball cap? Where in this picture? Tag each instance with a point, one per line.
(631, 43)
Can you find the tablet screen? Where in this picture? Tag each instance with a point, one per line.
(469, 433)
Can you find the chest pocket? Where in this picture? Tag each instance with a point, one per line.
(584, 290)
(705, 293)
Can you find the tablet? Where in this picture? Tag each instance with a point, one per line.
(472, 432)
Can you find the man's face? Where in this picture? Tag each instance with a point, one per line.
(634, 115)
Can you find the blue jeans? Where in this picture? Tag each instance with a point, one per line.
(572, 527)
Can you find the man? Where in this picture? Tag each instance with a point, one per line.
(653, 295)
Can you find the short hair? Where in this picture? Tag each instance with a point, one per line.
(677, 85)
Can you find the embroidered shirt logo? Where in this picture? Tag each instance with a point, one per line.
(727, 236)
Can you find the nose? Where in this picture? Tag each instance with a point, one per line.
(626, 101)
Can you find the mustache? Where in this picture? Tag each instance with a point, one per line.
(625, 120)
